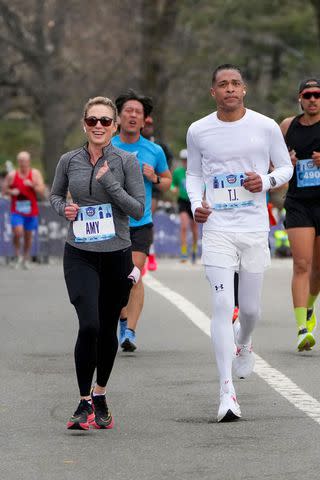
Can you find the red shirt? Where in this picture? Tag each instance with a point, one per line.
(26, 202)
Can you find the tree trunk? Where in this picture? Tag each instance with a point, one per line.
(157, 27)
(54, 132)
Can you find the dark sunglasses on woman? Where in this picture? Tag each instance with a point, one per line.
(92, 121)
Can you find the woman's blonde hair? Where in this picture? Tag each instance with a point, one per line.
(100, 101)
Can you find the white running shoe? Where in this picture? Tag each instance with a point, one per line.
(244, 361)
(26, 265)
(229, 408)
(16, 263)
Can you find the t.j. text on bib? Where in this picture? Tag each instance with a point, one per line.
(228, 192)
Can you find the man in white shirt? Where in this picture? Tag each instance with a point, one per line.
(229, 151)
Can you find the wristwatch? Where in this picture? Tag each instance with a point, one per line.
(272, 181)
(158, 180)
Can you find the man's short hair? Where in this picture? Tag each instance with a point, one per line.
(309, 83)
(132, 95)
(225, 66)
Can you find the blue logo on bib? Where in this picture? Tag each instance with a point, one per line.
(231, 178)
(90, 211)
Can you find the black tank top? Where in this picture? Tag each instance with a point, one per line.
(304, 140)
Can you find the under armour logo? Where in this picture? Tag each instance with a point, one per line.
(219, 288)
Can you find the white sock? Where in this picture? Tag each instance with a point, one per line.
(98, 394)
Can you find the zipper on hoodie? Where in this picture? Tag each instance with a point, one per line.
(92, 172)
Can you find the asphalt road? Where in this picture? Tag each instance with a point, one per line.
(164, 397)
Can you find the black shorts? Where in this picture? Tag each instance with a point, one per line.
(185, 206)
(142, 238)
(302, 214)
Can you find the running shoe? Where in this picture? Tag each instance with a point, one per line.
(305, 340)
(183, 258)
(229, 408)
(122, 330)
(152, 263)
(244, 361)
(82, 417)
(102, 417)
(311, 320)
(26, 265)
(193, 257)
(129, 342)
(16, 263)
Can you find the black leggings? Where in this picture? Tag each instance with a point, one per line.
(99, 288)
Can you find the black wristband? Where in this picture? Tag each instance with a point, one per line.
(272, 181)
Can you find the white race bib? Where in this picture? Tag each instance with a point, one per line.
(94, 224)
(227, 191)
(23, 206)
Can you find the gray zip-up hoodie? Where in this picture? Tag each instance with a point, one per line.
(122, 186)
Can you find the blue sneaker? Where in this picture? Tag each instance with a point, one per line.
(122, 330)
(128, 344)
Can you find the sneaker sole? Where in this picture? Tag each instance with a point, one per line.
(230, 416)
(127, 346)
(77, 426)
(81, 426)
(103, 427)
(307, 343)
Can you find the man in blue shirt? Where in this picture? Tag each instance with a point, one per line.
(133, 109)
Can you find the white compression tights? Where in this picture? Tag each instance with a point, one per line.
(222, 287)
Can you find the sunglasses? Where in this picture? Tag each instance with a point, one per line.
(308, 95)
(92, 121)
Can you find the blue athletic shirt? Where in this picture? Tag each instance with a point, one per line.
(152, 154)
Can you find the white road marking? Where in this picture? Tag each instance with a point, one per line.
(277, 380)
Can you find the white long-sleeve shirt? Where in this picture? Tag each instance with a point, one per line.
(219, 154)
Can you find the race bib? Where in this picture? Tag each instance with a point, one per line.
(23, 207)
(228, 192)
(94, 224)
(308, 174)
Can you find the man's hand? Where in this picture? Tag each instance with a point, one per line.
(316, 158)
(28, 183)
(293, 157)
(201, 214)
(14, 192)
(149, 173)
(253, 182)
(102, 170)
(71, 211)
